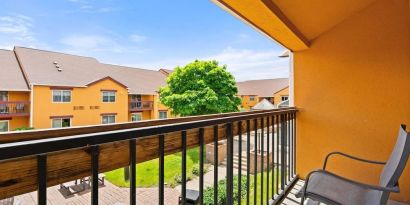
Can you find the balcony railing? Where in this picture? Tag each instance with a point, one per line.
(14, 108)
(62, 155)
(140, 105)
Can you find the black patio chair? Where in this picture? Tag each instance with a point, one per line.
(325, 187)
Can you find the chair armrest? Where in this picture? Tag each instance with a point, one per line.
(394, 189)
(351, 157)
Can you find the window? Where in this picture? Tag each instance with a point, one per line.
(108, 96)
(61, 122)
(136, 117)
(163, 114)
(108, 119)
(4, 126)
(4, 96)
(61, 95)
(285, 97)
(251, 98)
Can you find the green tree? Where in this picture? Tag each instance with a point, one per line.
(201, 87)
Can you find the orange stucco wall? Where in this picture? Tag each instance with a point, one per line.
(18, 122)
(246, 103)
(146, 114)
(86, 97)
(278, 95)
(160, 107)
(362, 69)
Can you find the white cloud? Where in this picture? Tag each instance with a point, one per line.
(137, 38)
(97, 45)
(18, 25)
(18, 30)
(244, 64)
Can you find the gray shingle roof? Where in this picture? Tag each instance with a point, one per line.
(11, 76)
(262, 88)
(78, 71)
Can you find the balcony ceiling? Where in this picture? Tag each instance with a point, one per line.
(293, 23)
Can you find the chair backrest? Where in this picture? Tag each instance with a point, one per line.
(397, 161)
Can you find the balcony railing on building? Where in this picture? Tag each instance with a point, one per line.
(14, 108)
(269, 165)
(140, 105)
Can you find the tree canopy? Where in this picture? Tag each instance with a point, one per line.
(201, 87)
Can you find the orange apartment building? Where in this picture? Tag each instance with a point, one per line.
(253, 91)
(43, 89)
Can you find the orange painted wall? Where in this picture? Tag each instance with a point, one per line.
(278, 96)
(161, 107)
(246, 103)
(89, 96)
(146, 114)
(18, 122)
(353, 90)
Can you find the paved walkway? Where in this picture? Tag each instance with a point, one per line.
(109, 194)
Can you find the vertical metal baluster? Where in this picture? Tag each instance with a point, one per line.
(282, 153)
(229, 168)
(273, 156)
(288, 146)
(42, 179)
(201, 166)
(248, 159)
(161, 169)
(95, 152)
(133, 180)
(255, 163)
(277, 152)
(183, 183)
(216, 164)
(292, 145)
(294, 142)
(239, 162)
(267, 159)
(262, 157)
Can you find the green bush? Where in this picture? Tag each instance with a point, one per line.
(209, 192)
(195, 170)
(24, 128)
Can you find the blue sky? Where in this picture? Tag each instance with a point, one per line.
(144, 33)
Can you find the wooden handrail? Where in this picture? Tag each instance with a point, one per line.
(18, 176)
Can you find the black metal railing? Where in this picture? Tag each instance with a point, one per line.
(276, 127)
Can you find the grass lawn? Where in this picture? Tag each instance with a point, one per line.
(258, 194)
(147, 172)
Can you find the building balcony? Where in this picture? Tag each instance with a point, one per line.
(267, 152)
(14, 108)
(140, 105)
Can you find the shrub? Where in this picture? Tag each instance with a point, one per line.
(195, 170)
(209, 192)
(24, 128)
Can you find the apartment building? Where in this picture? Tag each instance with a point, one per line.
(251, 92)
(44, 89)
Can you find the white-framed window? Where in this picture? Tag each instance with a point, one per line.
(108, 119)
(4, 126)
(251, 98)
(162, 114)
(62, 96)
(284, 97)
(136, 116)
(108, 96)
(4, 96)
(60, 122)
